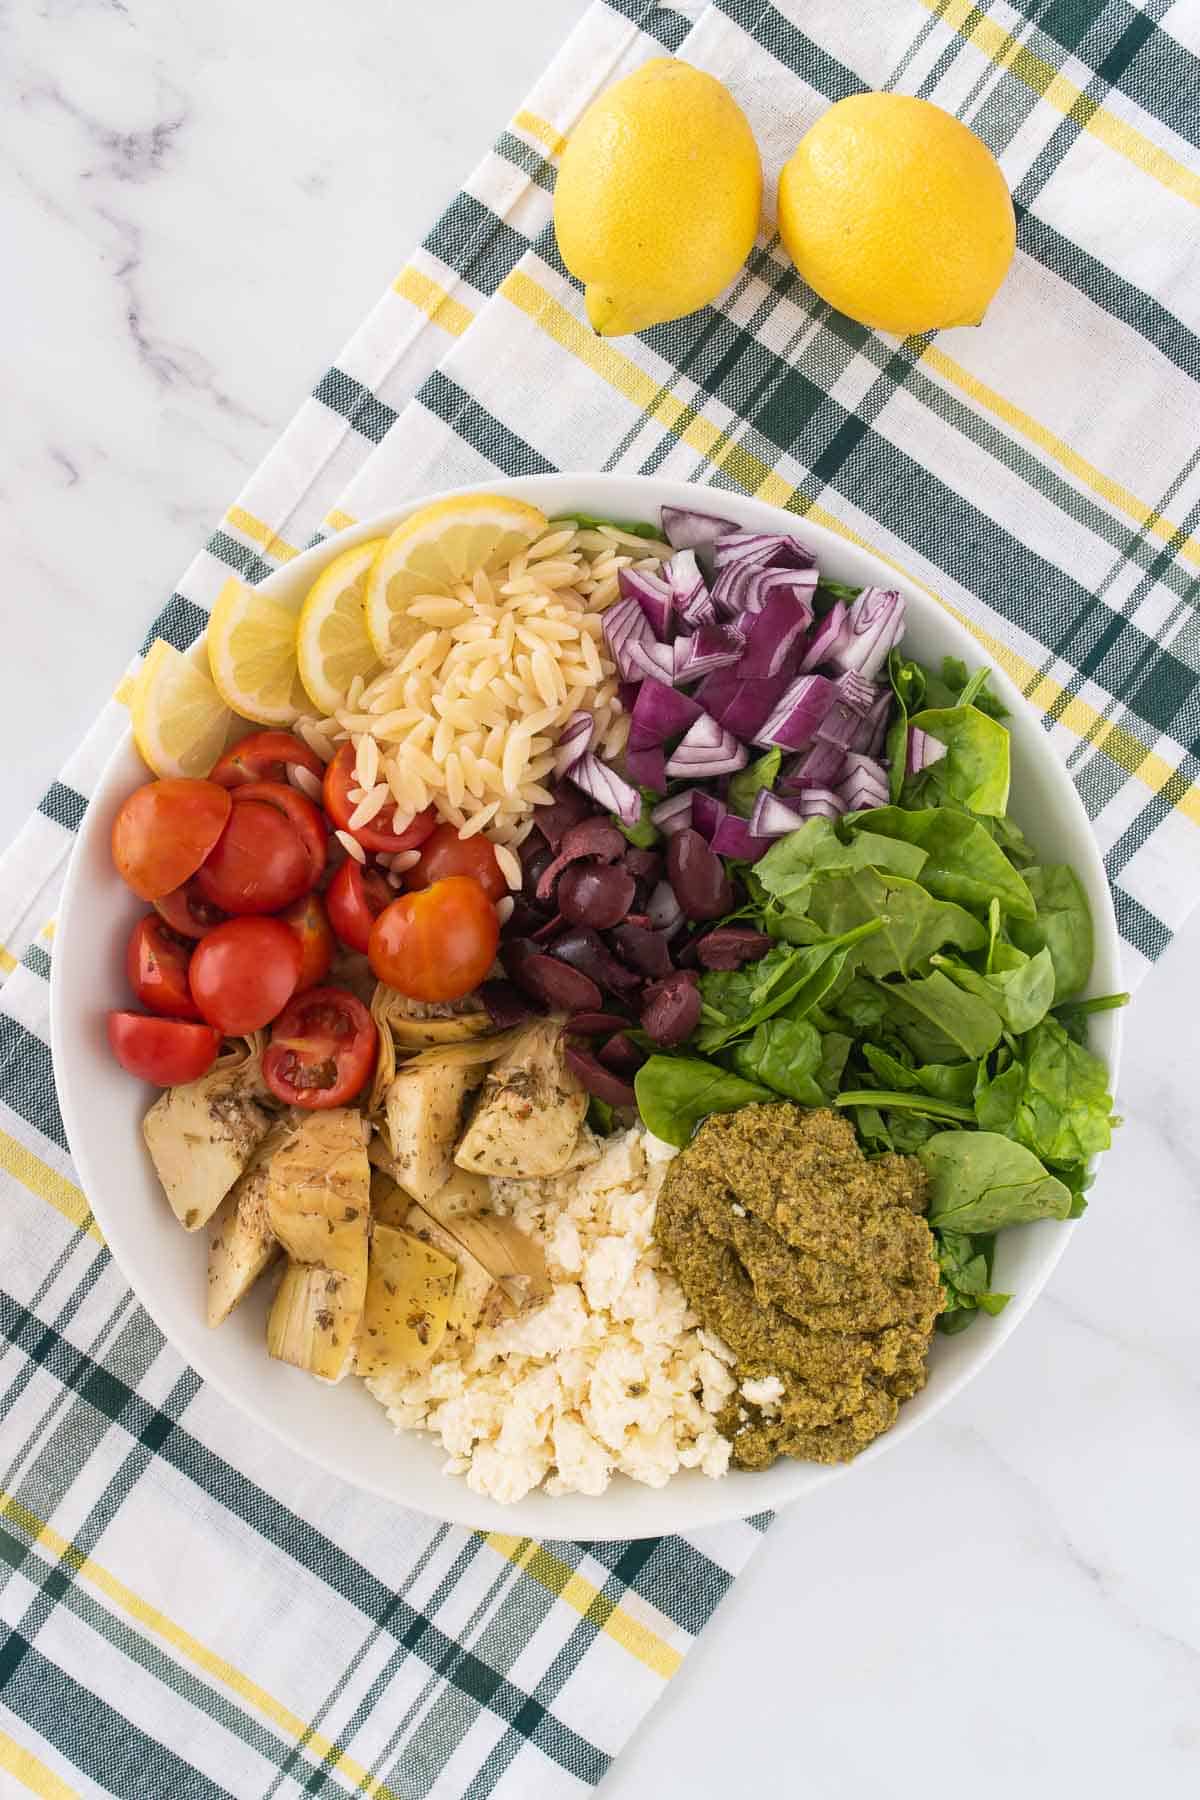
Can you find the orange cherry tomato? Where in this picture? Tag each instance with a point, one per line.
(322, 1050)
(186, 911)
(299, 811)
(378, 834)
(164, 1051)
(164, 831)
(310, 922)
(156, 962)
(445, 853)
(355, 898)
(266, 756)
(436, 944)
(244, 973)
(259, 863)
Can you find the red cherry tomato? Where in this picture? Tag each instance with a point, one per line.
(307, 818)
(164, 1051)
(260, 862)
(355, 898)
(165, 830)
(322, 1049)
(186, 911)
(436, 944)
(266, 756)
(310, 922)
(378, 835)
(445, 853)
(156, 962)
(244, 973)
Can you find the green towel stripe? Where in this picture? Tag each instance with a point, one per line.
(65, 805)
(662, 22)
(341, 393)
(27, 1080)
(180, 623)
(490, 436)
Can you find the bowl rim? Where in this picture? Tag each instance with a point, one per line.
(706, 1502)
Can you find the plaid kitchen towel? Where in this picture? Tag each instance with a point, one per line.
(192, 1612)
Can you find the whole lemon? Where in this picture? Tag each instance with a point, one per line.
(658, 196)
(897, 214)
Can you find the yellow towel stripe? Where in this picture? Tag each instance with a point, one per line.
(48, 930)
(757, 477)
(337, 520)
(542, 130)
(561, 1580)
(439, 307)
(1003, 49)
(1113, 491)
(31, 1773)
(8, 961)
(48, 1185)
(45, 1537)
(123, 692)
(270, 541)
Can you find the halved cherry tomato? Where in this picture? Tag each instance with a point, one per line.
(445, 853)
(355, 898)
(186, 911)
(307, 818)
(244, 973)
(156, 962)
(310, 922)
(164, 1051)
(322, 1049)
(266, 756)
(436, 944)
(165, 830)
(378, 834)
(260, 862)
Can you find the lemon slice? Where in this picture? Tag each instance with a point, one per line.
(433, 551)
(180, 722)
(332, 645)
(252, 655)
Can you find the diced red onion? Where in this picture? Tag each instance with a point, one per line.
(796, 720)
(660, 712)
(773, 817)
(773, 634)
(741, 706)
(820, 803)
(923, 751)
(663, 909)
(875, 625)
(624, 624)
(825, 639)
(685, 529)
(683, 579)
(575, 741)
(674, 814)
(606, 788)
(653, 596)
(864, 782)
(872, 733)
(856, 691)
(706, 749)
(647, 766)
(707, 813)
(777, 548)
(707, 648)
(733, 837)
(655, 660)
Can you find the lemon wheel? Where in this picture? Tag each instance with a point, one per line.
(252, 656)
(333, 645)
(180, 722)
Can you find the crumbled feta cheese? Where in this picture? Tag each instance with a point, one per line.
(609, 1375)
(765, 1394)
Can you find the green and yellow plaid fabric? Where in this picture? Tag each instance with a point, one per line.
(191, 1612)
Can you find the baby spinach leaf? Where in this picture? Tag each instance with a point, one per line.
(1063, 926)
(913, 925)
(1073, 1015)
(600, 1116)
(862, 1006)
(674, 1093)
(1021, 994)
(944, 1081)
(909, 683)
(835, 1053)
(979, 1181)
(748, 783)
(734, 1001)
(784, 1054)
(592, 522)
(965, 1265)
(787, 872)
(645, 833)
(962, 863)
(1054, 1098)
(935, 1013)
(902, 1102)
(828, 592)
(975, 768)
(971, 690)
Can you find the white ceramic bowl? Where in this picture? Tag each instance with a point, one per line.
(342, 1428)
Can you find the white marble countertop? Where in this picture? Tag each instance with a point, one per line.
(1010, 1602)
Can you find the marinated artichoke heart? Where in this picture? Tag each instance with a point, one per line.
(318, 1199)
(241, 1242)
(202, 1135)
(409, 1290)
(463, 1207)
(424, 1106)
(479, 1300)
(530, 1109)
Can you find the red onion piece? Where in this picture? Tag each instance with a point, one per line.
(575, 739)
(654, 660)
(923, 751)
(799, 714)
(875, 625)
(707, 814)
(773, 818)
(653, 596)
(773, 635)
(685, 528)
(832, 629)
(664, 910)
(660, 712)
(706, 750)
(734, 837)
(647, 767)
(707, 648)
(625, 624)
(673, 814)
(607, 789)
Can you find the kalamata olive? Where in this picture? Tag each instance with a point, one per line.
(697, 874)
(684, 951)
(566, 809)
(642, 949)
(505, 1004)
(598, 1080)
(524, 919)
(583, 949)
(590, 838)
(534, 866)
(671, 1008)
(514, 953)
(663, 909)
(597, 894)
(557, 983)
(547, 930)
(595, 1024)
(644, 865)
(729, 946)
(622, 1054)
